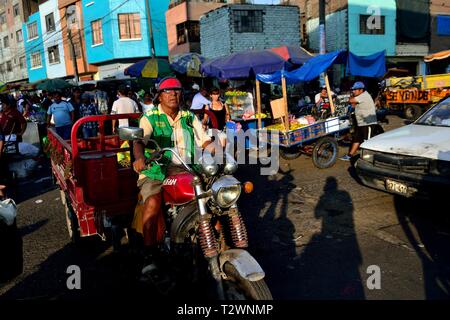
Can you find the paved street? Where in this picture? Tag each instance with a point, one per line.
(314, 231)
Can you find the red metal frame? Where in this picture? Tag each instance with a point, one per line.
(94, 171)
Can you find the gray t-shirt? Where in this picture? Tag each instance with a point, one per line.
(365, 111)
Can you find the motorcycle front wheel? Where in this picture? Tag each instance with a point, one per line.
(238, 288)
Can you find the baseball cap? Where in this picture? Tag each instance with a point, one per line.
(195, 86)
(169, 83)
(358, 85)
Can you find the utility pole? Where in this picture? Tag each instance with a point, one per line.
(150, 28)
(72, 50)
(322, 26)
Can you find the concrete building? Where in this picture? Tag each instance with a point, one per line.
(53, 39)
(117, 34)
(235, 28)
(13, 67)
(408, 30)
(34, 48)
(183, 23)
(73, 40)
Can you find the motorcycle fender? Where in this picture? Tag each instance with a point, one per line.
(244, 263)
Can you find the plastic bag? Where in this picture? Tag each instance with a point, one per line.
(8, 211)
(28, 150)
(23, 168)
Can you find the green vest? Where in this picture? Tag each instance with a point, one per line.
(162, 134)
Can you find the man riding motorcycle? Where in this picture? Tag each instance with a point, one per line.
(170, 127)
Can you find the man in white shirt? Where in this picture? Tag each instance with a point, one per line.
(200, 101)
(123, 105)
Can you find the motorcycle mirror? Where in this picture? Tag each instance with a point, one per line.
(131, 133)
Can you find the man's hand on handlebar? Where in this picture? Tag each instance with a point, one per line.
(139, 164)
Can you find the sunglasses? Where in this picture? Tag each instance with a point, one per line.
(176, 90)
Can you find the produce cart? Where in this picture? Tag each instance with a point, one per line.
(318, 140)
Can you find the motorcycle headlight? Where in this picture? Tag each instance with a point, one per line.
(367, 155)
(226, 191)
(230, 165)
(209, 167)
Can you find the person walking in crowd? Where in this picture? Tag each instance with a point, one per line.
(101, 99)
(12, 122)
(219, 109)
(147, 104)
(46, 101)
(199, 102)
(75, 101)
(63, 116)
(87, 108)
(366, 118)
(123, 105)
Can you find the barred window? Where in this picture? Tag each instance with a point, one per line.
(36, 60)
(248, 21)
(32, 31)
(97, 32)
(130, 26)
(53, 55)
(364, 28)
(19, 36)
(188, 31)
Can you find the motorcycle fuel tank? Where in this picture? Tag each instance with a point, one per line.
(178, 189)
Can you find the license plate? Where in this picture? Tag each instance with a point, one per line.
(396, 187)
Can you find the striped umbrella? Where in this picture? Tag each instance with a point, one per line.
(149, 68)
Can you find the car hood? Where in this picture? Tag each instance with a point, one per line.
(413, 140)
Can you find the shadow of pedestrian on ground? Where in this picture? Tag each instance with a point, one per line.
(270, 230)
(328, 268)
(33, 227)
(426, 225)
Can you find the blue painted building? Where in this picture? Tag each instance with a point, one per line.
(372, 26)
(34, 46)
(117, 33)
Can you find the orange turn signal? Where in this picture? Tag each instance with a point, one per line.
(248, 187)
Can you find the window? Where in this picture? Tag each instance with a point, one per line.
(97, 32)
(2, 68)
(32, 31)
(16, 10)
(50, 22)
(6, 42)
(53, 55)
(130, 26)
(8, 66)
(22, 62)
(188, 31)
(2, 18)
(374, 25)
(19, 36)
(248, 21)
(36, 61)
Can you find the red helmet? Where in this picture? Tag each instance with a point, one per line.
(169, 83)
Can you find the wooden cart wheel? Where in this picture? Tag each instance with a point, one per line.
(325, 152)
(290, 153)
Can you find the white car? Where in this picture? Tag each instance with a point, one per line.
(413, 160)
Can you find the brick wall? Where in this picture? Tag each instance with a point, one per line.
(280, 27)
(336, 31)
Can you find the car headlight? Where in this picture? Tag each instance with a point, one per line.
(441, 167)
(226, 191)
(367, 155)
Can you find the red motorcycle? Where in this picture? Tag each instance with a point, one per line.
(206, 232)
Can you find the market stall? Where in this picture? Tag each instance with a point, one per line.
(306, 134)
(244, 66)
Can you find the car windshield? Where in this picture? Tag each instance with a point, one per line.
(439, 115)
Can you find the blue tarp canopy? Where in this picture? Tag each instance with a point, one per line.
(247, 64)
(367, 66)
